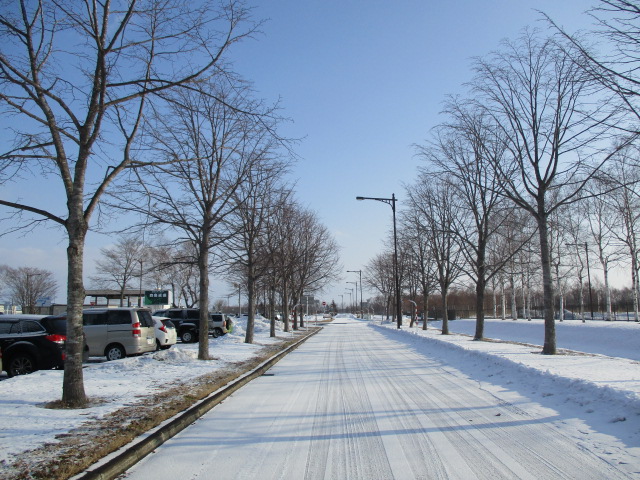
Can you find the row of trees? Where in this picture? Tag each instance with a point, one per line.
(538, 161)
(131, 106)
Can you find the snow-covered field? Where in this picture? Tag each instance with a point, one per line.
(599, 391)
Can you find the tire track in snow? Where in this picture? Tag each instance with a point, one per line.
(344, 440)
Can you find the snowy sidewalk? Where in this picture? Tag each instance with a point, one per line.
(601, 390)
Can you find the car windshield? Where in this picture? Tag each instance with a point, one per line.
(168, 324)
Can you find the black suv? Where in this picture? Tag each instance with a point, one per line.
(187, 321)
(57, 325)
(27, 346)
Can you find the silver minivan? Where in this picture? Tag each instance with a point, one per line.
(118, 332)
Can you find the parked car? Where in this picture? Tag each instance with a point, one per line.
(26, 345)
(57, 325)
(166, 334)
(187, 322)
(219, 324)
(118, 332)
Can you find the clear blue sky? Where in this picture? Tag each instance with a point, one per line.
(363, 82)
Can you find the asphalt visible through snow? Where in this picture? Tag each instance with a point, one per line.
(352, 403)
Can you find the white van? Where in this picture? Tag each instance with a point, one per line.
(118, 332)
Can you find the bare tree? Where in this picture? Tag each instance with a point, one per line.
(379, 275)
(415, 238)
(318, 254)
(436, 204)
(225, 136)
(615, 65)
(462, 154)
(75, 80)
(602, 224)
(554, 127)
(258, 198)
(626, 202)
(119, 264)
(25, 285)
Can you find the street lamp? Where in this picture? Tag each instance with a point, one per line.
(392, 201)
(140, 291)
(356, 284)
(360, 272)
(350, 292)
(586, 249)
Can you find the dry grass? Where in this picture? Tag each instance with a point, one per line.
(80, 448)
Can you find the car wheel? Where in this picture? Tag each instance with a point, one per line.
(158, 346)
(217, 332)
(214, 332)
(165, 347)
(114, 352)
(187, 336)
(21, 364)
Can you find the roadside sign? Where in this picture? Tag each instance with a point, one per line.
(156, 297)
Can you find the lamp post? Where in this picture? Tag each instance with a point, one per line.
(392, 202)
(586, 250)
(228, 296)
(341, 302)
(356, 295)
(350, 292)
(140, 291)
(360, 272)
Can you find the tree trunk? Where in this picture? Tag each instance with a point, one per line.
(203, 299)
(272, 310)
(445, 316)
(425, 304)
(523, 297)
(607, 292)
(480, 290)
(285, 306)
(514, 303)
(73, 394)
(503, 300)
(425, 314)
(251, 287)
(547, 285)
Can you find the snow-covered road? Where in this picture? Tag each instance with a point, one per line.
(352, 403)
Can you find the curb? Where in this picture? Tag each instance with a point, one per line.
(132, 454)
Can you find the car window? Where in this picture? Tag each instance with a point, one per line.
(193, 314)
(5, 327)
(31, 326)
(173, 314)
(144, 317)
(119, 317)
(94, 318)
